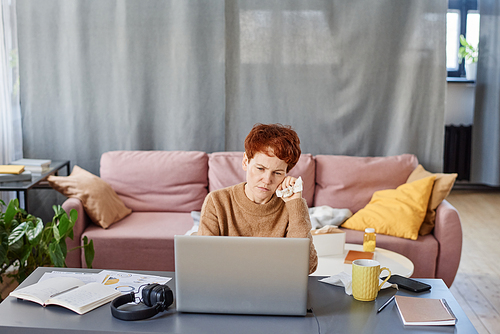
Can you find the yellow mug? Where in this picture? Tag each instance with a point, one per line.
(365, 279)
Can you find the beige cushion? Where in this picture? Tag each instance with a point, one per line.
(441, 189)
(397, 212)
(100, 201)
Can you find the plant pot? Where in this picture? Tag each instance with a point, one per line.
(8, 285)
(471, 71)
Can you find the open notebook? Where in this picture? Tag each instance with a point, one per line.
(241, 275)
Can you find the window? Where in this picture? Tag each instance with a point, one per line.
(462, 19)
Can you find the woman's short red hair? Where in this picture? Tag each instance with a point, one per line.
(274, 139)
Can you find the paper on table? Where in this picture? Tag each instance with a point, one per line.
(121, 281)
(127, 282)
(82, 276)
(344, 279)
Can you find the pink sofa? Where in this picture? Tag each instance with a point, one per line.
(163, 187)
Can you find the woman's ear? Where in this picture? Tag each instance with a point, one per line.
(244, 163)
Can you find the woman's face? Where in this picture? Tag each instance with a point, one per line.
(264, 174)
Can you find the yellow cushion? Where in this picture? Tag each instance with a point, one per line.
(100, 201)
(397, 212)
(441, 189)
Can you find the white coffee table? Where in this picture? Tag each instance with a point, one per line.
(334, 264)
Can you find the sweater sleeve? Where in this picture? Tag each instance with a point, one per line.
(209, 223)
(299, 226)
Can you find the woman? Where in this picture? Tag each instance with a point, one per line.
(252, 208)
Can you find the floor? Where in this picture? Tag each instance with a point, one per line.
(477, 284)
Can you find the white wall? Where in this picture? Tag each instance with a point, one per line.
(459, 103)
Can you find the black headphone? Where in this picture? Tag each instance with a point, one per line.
(157, 297)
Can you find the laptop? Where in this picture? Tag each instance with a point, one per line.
(241, 275)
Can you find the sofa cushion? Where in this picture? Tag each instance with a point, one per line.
(225, 169)
(100, 201)
(346, 182)
(398, 212)
(141, 241)
(423, 252)
(441, 189)
(161, 181)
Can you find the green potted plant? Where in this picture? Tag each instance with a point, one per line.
(26, 243)
(470, 53)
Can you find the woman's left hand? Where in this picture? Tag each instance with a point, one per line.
(287, 182)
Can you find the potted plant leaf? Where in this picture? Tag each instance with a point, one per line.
(27, 243)
(470, 53)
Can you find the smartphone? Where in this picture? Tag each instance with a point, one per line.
(408, 283)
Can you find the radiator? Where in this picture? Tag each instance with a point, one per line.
(457, 150)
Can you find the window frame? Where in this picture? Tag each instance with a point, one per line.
(464, 6)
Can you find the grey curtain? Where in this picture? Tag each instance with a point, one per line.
(120, 75)
(364, 78)
(485, 165)
(353, 77)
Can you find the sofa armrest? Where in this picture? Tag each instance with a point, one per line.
(74, 258)
(448, 233)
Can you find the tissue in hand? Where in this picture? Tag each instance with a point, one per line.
(296, 188)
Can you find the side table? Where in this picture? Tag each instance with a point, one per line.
(38, 180)
(334, 264)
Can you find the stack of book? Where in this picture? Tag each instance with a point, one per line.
(9, 173)
(33, 165)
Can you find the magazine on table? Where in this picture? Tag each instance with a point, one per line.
(82, 292)
(68, 292)
(415, 311)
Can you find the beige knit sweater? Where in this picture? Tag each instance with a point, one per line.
(229, 212)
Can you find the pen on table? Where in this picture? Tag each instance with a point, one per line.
(385, 304)
(60, 293)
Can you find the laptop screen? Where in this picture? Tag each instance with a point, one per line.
(241, 275)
